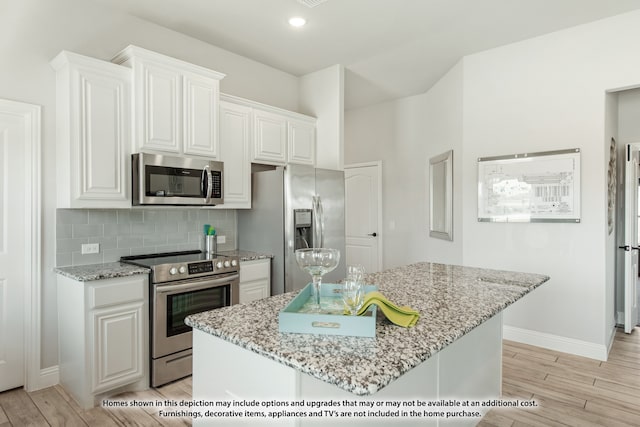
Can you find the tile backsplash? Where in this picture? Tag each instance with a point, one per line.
(137, 231)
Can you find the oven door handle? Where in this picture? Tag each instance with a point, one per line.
(194, 286)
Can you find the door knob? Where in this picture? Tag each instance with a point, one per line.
(372, 234)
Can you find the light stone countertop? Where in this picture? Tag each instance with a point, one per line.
(247, 255)
(452, 300)
(108, 270)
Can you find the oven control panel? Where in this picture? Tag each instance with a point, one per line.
(201, 267)
(186, 270)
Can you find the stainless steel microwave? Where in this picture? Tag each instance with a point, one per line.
(167, 180)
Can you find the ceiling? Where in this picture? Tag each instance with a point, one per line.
(389, 48)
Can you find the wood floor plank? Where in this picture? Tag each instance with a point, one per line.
(97, 416)
(541, 388)
(596, 407)
(494, 418)
(587, 392)
(615, 386)
(55, 408)
(621, 364)
(573, 416)
(506, 353)
(511, 391)
(133, 417)
(529, 418)
(20, 409)
(3, 417)
(548, 368)
(538, 352)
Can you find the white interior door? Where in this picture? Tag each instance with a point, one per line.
(14, 246)
(631, 237)
(363, 212)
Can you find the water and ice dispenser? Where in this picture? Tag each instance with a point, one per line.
(302, 220)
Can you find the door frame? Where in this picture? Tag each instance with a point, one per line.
(31, 116)
(378, 165)
(629, 148)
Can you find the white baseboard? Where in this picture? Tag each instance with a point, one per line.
(48, 378)
(556, 342)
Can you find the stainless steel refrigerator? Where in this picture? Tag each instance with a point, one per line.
(294, 207)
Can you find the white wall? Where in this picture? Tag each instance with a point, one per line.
(405, 134)
(545, 93)
(322, 96)
(32, 32)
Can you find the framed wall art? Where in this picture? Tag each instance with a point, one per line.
(530, 187)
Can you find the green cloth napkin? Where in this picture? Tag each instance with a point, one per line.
(401, 316)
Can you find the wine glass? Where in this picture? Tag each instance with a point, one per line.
(317, 262)
(355, 272)
(353, 295)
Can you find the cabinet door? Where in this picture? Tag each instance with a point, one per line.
(270, 137)
(157, 107)
(201, 95)
(117, 346)
(252, 291)
(301, 142)
(255, 280)
(235, 136)
(93, 132)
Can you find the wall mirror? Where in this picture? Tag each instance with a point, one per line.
(441, 196)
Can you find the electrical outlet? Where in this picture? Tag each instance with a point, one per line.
(222, 239)
(90, 248)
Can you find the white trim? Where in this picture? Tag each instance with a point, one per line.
(556, 342)
(48, 377)
(378, 165)
(31, 115)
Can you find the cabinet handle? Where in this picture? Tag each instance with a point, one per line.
(374, 234)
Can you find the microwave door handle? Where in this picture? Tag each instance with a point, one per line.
(209, 176)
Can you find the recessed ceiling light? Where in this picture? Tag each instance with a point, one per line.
(297, 21)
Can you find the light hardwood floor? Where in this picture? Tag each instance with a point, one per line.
(570, 390)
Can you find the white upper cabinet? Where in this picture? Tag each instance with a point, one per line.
(301, 141)
(175, 104)
(279, 136)
(235, 139)
(92, 132)
(270, 140)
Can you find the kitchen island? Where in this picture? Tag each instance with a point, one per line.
(453, 352)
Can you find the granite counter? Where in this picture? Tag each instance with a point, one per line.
(108, 270)
(452, 301)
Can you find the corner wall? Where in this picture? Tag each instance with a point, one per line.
(405, 134)
(546, 93)
(322, 96)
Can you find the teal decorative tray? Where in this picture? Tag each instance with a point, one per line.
(295, 318)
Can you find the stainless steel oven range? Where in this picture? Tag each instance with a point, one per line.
(182, 283)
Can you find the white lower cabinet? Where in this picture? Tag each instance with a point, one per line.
(103, 338)
(255, 280)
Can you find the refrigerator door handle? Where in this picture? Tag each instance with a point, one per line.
(318, 219)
